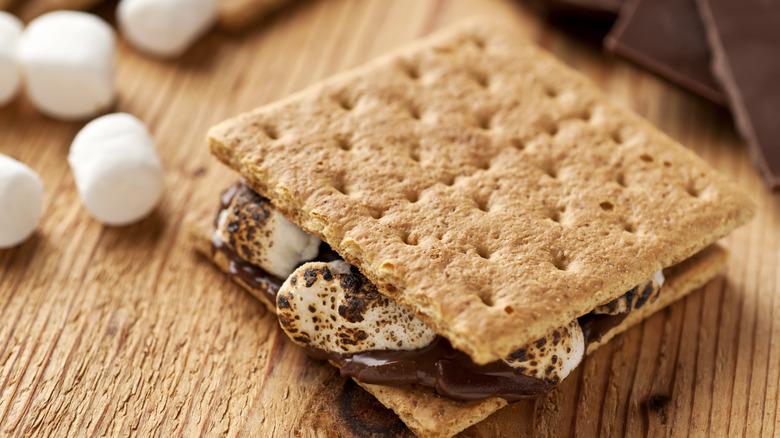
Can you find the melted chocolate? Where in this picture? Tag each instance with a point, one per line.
(255, 277)
(451, 372)
(595, 326)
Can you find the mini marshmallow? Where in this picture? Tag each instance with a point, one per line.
(21, 201)
(117, 171)
(165, 28)
(334, 308)
(10, 74)
(68, 62)
(259, 234)
(552, 357)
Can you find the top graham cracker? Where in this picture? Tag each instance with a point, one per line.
(483, 184)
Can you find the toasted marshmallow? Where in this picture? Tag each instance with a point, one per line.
(165, 28)
(328, 307)
(10, 73)
(21, 201)
(68, 63)
(259, 234)
(643, 293)
(553, 357)
(117, 171)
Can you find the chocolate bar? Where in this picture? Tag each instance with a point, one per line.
(745, 39)
(667, 37)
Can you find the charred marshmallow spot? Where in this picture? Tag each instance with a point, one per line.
(553, 357)
(327, 306)
(644, 293)
(259, 234)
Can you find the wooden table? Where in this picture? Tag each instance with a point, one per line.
(127, 331)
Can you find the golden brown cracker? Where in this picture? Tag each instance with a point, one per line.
(429, 415)
(483, 184)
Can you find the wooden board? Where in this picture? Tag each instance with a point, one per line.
(127, 331)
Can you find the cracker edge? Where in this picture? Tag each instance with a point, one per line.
(431, 416)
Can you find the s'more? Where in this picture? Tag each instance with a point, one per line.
(455, 225)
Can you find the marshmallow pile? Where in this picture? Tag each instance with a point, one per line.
(67, 57)
(165, 28)
(21, 201)
(117, 171)
(68, 62)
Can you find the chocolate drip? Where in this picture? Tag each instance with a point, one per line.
(253, 276)
(451, 372)
(596, 326)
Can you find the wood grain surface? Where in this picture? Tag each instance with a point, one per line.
(128, 332)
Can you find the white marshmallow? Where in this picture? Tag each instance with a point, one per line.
(165, 28)
(117, 171)
(259, 234)
(553, 357)
(68, 63)
(327, 306)
(21, 201)
(10, 74)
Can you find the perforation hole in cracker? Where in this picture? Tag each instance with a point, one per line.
(340, 185)
(414, 110)
(376, 213)
(619, 135)
(270, 131)
(414, 152)
(412, 196)
(607, 206)
(447, 178)
(344, 101)
(410, 69)
(408, 238)
(479, 41)
(482, 203)
(556, 214)
(693, 189)
(620, 179)
(585, 114)
(484, 119)
(344, 142)
(483, 251)
(487, 300)
(561, 261)
(481, 78)
(549, 168)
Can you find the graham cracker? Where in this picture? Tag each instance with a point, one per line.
(431, 416)
(483, 184)
(237, 15)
